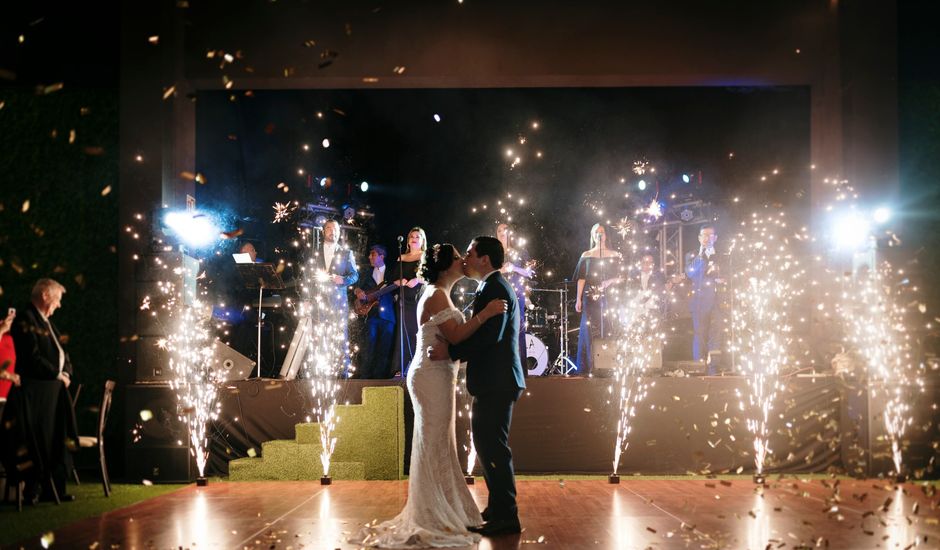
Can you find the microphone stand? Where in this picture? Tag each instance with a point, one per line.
(401, 310)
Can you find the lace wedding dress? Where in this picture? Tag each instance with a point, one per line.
(439, 506)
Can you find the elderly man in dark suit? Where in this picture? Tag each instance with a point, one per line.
(495, 379)
(45, 372)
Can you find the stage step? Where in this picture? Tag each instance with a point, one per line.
(370, 444)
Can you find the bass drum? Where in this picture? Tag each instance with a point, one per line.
(536, 356)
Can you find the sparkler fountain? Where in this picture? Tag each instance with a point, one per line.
(765, 284)
(325, 348)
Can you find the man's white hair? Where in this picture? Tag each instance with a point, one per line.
(43, 285)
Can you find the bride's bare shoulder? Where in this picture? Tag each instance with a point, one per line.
(434, 302)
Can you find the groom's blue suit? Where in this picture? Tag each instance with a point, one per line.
(495, 379)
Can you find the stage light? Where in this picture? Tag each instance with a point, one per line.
(686, 178)
(850, 231)
(881, 214)
(641, 185)
(195, 229)
(364, 186)
(437, 117)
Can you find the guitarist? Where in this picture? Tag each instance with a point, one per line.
(380, 321)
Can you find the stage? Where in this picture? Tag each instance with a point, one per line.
(557, 513)
(685, 425)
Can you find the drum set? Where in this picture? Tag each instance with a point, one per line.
(543, 325)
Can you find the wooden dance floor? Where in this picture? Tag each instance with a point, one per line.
(791, 513)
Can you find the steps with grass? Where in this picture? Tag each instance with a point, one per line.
(370, 444)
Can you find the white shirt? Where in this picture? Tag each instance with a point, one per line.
(378, 274)
(329, 250)
(56, 340)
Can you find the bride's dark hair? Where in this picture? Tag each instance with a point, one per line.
(436, 260)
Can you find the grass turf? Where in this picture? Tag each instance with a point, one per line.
(34, 521)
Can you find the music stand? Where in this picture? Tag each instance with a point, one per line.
(260, 276)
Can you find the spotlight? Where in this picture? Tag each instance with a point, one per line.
(364, 186)
(850, 231)
(641, 185)
(686, 178)
(193, 228)
(881, 214)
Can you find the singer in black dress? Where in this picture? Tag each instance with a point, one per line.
(407, 300)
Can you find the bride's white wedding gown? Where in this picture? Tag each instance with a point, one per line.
(439, 506)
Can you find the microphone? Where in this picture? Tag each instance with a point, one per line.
(400, 238)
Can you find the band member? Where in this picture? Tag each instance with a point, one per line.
(651, 287)
(702, 270)
(518, 270)
(338, 265)
(380, 319)
(411, 287)
(598, 268)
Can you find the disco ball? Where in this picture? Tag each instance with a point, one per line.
(686, 215)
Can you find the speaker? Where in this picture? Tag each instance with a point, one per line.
(157, 445)
(153, 362)
(231, 364)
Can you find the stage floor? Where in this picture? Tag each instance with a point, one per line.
(638, 513)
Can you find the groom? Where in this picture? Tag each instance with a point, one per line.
(494, 379)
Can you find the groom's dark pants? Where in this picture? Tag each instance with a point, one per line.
(492, 415)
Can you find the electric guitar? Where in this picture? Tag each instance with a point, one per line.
(364, 305)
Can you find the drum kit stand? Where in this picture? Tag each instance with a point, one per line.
(536, 350)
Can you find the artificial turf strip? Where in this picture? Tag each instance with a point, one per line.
(34, 521)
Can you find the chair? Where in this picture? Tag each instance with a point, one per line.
(97, 441)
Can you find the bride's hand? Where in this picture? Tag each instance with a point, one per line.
(494, 308)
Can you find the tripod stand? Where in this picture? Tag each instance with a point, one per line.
(562, 365)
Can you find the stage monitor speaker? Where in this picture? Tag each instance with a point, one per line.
(231, 364)
(157, 440)
(605, 353)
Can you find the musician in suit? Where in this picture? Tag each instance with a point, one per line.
(703, 271)
(495, 379)
(45, 373)
(338, 264)
(380, 321)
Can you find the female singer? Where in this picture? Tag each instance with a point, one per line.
(598, 268)
(517, 270)
(407, 306)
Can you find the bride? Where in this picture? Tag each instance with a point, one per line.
(439, 506)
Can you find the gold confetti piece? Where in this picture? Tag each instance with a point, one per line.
(587, 410)
(106, 191)
(52, 88)
(71, 136)
(146, 415)
(252, 453)
(155, 39)
(146, 482)
(399, 70)
(200, 179)
(21, 38)
(93, 546)
(541, 539)
(47, 539)
(232, 234)
(169, 91)
(2, 103)
(25, 207)
(370, 79)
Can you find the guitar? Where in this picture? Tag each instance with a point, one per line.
(364, 305)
